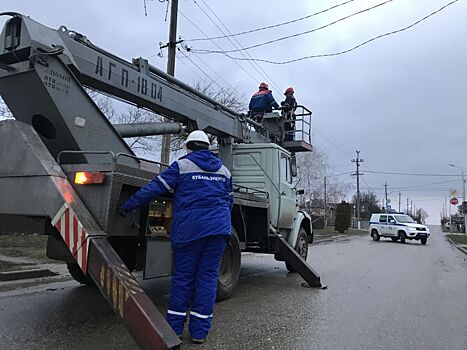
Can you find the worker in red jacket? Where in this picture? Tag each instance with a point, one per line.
(262, 102)
(288, 111)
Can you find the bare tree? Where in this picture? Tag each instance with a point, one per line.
(228, 97)
(313, 168)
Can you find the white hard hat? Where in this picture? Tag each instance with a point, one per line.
(198, 136)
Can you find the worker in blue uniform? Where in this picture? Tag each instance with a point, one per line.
(201, 227)
(262, 102)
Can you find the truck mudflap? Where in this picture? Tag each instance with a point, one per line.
(289, 254)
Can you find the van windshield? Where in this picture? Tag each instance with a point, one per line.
(404, 219)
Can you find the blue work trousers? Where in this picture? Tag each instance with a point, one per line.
(194, 283)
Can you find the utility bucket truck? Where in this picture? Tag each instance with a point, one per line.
(64, 162)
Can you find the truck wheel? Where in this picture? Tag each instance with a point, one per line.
(402, 236)
(301, 247)
(375, 235)
(394, 239)
(423, 240)
(78, 275)
(229, 269)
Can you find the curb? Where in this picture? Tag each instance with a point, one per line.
(462, 249)
(25, 274)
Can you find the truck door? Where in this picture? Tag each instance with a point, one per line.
(287, 199)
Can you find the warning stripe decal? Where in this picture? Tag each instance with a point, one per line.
(74, 235)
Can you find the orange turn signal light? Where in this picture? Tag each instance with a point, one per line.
(87, 178)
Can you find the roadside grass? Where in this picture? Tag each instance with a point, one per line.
(30, 246)
(329, 230)
(458, 239)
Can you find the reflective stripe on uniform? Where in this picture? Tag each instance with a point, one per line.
(200, 315)
(178, 313)
(166, 185)
(186, 166)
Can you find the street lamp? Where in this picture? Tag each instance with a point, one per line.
(463, 192)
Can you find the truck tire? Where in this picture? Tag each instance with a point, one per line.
(301, 247)
(78, 275)
(229, 269)
(423, 241)
(375, 235)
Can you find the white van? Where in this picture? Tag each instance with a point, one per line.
(397, 227)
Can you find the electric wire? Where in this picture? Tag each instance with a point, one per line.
(191, 69)
(296, 34)
(347, 50)
(234, 61)
(201, 69)
(271, 26)
(256, 64)
(407, 174)
(237, 45)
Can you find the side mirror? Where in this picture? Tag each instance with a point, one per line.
(293, 166)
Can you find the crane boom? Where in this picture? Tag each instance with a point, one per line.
(137, 82)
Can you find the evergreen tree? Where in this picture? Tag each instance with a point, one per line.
(343, 216)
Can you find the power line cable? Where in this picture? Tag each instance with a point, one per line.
(348, 50)
(407, 174)
(272, 26)
(297, 34)
(201, 70)
(234, 61)
(214, 71)
(238, 47)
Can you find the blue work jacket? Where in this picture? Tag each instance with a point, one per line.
(202, 196)
(262, 101)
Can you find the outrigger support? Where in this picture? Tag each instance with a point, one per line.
(289, 254)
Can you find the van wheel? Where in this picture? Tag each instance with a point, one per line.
(78, 275)
(402, 236)
(423, 241)
(229, 269)
(394, 239)
(375, 235)
(301, 247)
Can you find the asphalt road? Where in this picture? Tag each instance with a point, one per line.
(381, 295)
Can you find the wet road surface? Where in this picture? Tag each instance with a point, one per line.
(381, 295)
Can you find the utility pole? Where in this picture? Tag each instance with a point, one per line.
(171, 46)
(386, 195)
(399, 202)
(325, 205)
(357, 161)
(407, 208)
(411, 208)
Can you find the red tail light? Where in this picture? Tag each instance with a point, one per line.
(87, 178)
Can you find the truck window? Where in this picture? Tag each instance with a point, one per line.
(383, 218)
(391, 219)
(286, 174)
(283, 168)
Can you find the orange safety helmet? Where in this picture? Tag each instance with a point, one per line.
(263, 85)
(289, 89)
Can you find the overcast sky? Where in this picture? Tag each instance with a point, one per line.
(401, 100)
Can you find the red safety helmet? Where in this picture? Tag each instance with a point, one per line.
(289, 89)
(263, 85)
